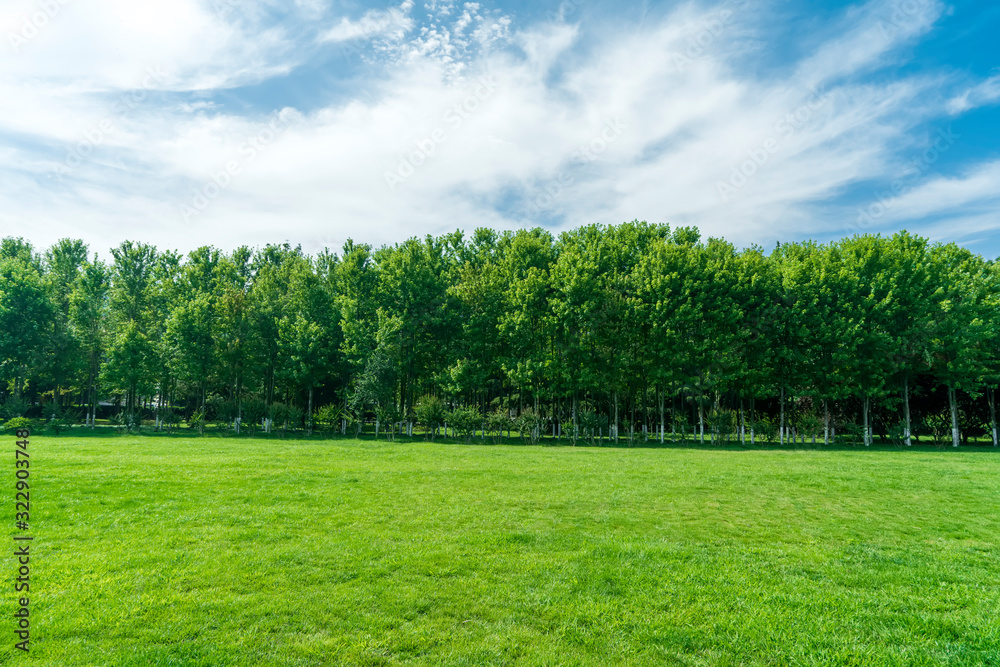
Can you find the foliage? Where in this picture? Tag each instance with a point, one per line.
(499, 422)
(529, 426)
(430, 412)
(621, 326)
(328, 417)
(16, 423)
(465, 421)
(14, 406)
(56, 418)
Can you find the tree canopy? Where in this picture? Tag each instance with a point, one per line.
(634, 330)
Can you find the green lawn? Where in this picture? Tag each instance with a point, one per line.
(234, 551)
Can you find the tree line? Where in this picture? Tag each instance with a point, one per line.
(626, 332)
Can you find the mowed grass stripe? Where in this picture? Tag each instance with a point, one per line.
(225, 551)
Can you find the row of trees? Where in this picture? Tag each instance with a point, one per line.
(634, 330)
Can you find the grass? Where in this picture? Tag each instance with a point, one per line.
(229, 551)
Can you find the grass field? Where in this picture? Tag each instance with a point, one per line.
(227, 551)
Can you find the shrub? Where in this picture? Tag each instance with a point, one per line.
(18, 423)
(286, 416)
(14, 407)
(430, 412)
(529, 426)
(57, 418)
(328, 417)
(497, 422)
(465, 421)
(197, 420)
(388, 415)
(254, 411)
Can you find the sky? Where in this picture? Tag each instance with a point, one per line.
(185, 123)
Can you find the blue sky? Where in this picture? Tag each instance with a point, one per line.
(225, 122)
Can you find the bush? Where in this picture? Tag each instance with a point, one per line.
(497, 422)
(286, 416)
(197, 420)
(168, 418)
(593, 425)
(18, 423)
(430, 412)
(529, 426)
(125, 422)
(221, 411)
(765, 429)
(254, 411)
(57, 418)
(14, 407)
(465, 421)
(388, 416)
(328, 417)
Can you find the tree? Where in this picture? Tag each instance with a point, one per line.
(133, 357)
(26, 315)
(88, 316)
(959, 333)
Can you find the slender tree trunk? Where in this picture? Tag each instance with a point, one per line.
(673, 419)
(991, 395)
(906, 411)
(701, 421)
(865, 408)
(576, 426)
(309, 415)
(616, 417)
(952, 400)
(743, 439)
(781, 430)
(663, 425)
(826, 423)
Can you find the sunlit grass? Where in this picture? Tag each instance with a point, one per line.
(226, 551)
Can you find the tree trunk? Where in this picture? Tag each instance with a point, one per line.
(616, 417)
(309, 417)
(954, 416)
(826, 423)
(781, 430)
(906, 411)
(576, 426)
(663, 424)
(743, 438)
(991, 395)
(864, 409)
(701, 421)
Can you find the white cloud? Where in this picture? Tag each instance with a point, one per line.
(393, 23)
(621, 129)
(950, 195)
(985, 93)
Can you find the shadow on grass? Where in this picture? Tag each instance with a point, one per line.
(102, 431)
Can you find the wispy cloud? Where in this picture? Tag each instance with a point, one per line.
(536, 150)
(392, 23)
(985, 93)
